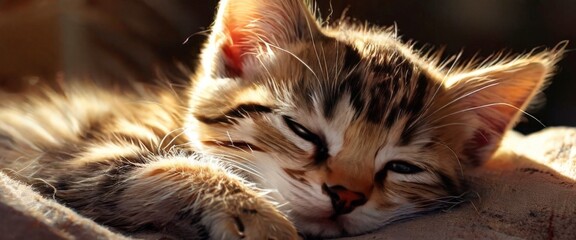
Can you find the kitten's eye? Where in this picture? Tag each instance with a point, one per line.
(321, 149)
(300, 130)
(402, 167)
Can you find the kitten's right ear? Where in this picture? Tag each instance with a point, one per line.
(493, 97)
(245, 29)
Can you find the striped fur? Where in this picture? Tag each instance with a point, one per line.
(279, 105)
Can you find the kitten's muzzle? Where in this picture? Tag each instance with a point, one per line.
(343, 200)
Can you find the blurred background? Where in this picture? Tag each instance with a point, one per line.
(140, 39)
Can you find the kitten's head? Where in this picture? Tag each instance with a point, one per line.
(350, 125)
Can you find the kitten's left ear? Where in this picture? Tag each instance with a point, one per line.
(494, 97)
(246, 28)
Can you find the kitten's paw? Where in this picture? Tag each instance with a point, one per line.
(253, 219)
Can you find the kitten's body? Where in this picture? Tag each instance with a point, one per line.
(349, 128)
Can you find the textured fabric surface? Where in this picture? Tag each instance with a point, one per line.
(24, 214)
(528, 191)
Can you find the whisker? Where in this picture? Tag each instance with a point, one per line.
(422, 131)
(246, 165)
(270, 76)
(314, 44)
(297, 58)
(173, 139)
(242, 166)
(453, 153)
(454, 60)
(491, 105)
(456, 100)
(159, 147)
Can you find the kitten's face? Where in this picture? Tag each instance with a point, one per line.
(350, 127)
(329, 115)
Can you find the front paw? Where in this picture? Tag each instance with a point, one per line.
(195, 200)
(243, 217)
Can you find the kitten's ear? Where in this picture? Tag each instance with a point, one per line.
(246, 28)
(494, 97)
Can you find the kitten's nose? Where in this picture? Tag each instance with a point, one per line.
(343, 200)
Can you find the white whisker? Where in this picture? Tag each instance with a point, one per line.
(453, 101)
(297, 58)
(490, 105)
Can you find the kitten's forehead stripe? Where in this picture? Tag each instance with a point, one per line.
(352, 84)
(394, 93)
(416, 105)
(384, 86)
(331, 100)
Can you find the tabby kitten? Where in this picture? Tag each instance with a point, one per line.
(286, 127)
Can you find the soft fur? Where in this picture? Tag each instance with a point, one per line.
(286, 127)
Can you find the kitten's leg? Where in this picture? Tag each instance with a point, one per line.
(190, 197)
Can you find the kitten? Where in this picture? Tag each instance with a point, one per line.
(286, 127)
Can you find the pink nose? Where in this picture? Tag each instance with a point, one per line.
(343, 200)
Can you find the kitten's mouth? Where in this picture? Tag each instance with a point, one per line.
(238, 145)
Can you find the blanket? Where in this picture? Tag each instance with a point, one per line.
(527, 191)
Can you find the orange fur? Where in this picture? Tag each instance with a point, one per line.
(286, 126)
